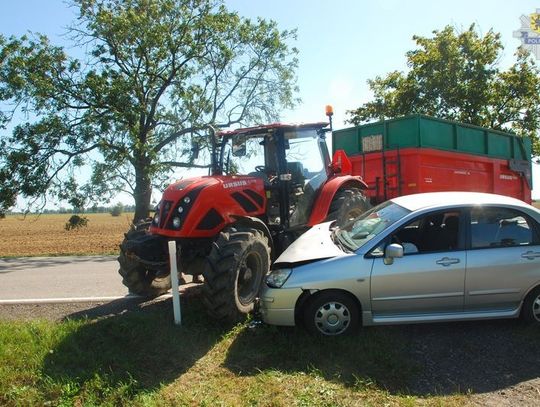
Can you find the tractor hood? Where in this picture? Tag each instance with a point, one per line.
(315, 244)
(190, 183)
(200, 207)
(221, 182)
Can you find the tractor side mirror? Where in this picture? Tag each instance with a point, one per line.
(391, 252)
(239, 148)
(195, 148)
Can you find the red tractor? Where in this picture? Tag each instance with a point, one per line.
(228, 227)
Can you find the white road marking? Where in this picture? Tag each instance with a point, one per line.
(64, 300)
(86, 299)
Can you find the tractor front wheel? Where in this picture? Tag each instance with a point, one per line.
(234, 272)
(136, 276)
(347, 204)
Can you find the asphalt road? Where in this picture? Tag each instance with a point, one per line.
(50, 278)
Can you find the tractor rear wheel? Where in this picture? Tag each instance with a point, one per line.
(348, 203)
(234, 272)
(135, 276)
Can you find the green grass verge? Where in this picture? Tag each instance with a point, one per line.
(141, 358)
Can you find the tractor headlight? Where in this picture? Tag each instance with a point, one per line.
(176, 222)
(180, 209)
(277, 278)
(156, 219)
(187, 199)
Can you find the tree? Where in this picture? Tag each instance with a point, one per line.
(157, 74)
(456, 76)
(117, 209)
(76, 222)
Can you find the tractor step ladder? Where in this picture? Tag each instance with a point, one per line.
(391, 163)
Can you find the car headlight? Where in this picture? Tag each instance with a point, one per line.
(277, 278)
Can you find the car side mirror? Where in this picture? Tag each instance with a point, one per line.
(391, 252)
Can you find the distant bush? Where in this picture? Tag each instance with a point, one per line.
(76, 222)
(117, 209)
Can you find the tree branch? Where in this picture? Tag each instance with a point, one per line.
(184, 165)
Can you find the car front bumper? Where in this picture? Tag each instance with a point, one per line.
(277, 305)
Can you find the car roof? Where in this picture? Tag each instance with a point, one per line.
(434, 199)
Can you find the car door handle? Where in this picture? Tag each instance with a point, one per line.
(446, 261)
(530, 255)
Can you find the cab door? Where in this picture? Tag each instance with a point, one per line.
(430, 277)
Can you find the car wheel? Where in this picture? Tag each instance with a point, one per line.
(530, 311)
(331, 313)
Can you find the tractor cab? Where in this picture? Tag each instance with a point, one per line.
(292, 160)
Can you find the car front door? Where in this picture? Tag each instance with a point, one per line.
(430, 277)
(503, 261)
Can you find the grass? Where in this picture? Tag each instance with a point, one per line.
(45, 235)
(141, 358)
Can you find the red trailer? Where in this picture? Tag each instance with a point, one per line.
(422, 154)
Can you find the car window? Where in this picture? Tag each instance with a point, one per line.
(500, 227)
(433, 232)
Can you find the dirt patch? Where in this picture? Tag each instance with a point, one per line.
(496, 361)
(27, 238)
(59, 312)
(97, 309)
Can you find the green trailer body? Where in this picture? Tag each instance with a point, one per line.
(418, 153)
(428, 132)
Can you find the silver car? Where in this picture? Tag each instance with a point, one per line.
(443, 256)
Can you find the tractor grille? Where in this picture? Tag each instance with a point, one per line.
(165, 209)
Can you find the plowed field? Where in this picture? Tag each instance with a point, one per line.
(45, 235)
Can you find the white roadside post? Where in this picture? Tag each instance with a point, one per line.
(174, 283)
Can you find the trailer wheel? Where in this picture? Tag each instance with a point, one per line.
(348, 203)
(135, 276)
(234, 272)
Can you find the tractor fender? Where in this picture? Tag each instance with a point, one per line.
(324, 199)
(255, 223)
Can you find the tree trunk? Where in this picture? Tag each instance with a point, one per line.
(143, 191)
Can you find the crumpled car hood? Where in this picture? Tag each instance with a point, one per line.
(315, 244)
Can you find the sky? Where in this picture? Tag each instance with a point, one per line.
(342, 44)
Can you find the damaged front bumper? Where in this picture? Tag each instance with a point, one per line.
(148, 250)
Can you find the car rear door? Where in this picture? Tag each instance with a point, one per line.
(430, 277)
(503, 261)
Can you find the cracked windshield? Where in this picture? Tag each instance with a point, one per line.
(369, 225)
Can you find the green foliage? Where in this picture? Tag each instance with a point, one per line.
(76, 222)
(456, 76)
(117, 209)
(157, 73)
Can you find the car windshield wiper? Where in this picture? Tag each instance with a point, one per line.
(341, 241)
